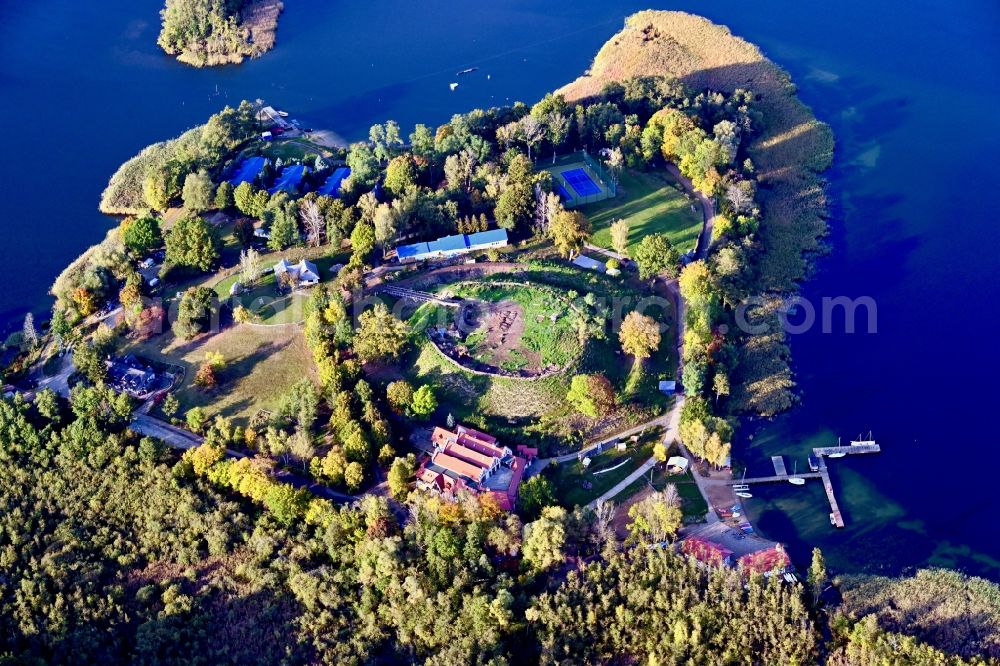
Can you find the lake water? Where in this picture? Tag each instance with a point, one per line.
(909, 87)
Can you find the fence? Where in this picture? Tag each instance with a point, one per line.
(609, 188)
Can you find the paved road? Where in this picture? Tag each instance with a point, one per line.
(707, 211)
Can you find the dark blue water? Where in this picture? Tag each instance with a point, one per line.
(908, 86)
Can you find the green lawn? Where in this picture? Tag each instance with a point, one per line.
(693, 504)
(265, 301)
(261, 364)
(650, 203)
(576, 485)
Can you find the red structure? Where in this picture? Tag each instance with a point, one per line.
(475, 462)
(707, 552)
(765, 561)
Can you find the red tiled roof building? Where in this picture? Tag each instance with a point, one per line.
(475, 462)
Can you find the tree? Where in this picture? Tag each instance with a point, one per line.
(532, 132)
(656, 517)
(400, 475)
(362, 242)
(156, 189)
(196, 419)
(250, 267)
(243, 231)
(400, 174)
(90, 363)
(656, 255)
(206, 377)
(817, 575)
(198, 191)
(545, 539)
(313, 222)
(569, 230)
(379, 334)
(400, 396)
(354, 476)
(385, 220)
(245, 198)
(196, 312)
(615, 162)
(224, 196)
(592, 395)
(363, 163)
(424, 402)
(60, 327)
(29, 332)
(170, 405)
(516, 202)
(141, 234)
(558, 129)
(619, 236)
(192, 243)
(535, 494)
(284, 231)
(639, 335)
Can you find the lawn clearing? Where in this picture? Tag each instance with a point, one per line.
(576, 485)
(261, 364)
(650, 203)
(693, 505)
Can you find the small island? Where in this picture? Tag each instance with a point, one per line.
(205, 33)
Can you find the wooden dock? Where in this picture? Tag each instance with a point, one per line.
(821, 453)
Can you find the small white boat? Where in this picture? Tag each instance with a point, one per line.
(796, 480)
(863, 442)
(453, 85)
(743, 494)
(469, 70)
(833, 520)
(837, 455)
(283, 114)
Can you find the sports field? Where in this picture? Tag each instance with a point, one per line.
(650, 203)
(576, 182)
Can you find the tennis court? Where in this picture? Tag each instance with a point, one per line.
(581, 182)
(332, 185)
(248, 170)
(563, 194)
(289, 179)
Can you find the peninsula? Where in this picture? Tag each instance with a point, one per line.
(204, 33)
(449, 394)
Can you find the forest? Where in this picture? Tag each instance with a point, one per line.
(216, 32)
(111, 553)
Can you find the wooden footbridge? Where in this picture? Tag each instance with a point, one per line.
(419, 296)
(822, 472)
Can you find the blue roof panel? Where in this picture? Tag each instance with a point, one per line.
(449, 244)
(488, 237)
(409, 251)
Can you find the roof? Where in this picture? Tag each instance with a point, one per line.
(283, 266)
(487, 237)
(584, 261)
(666, 385)
(677, 461)
(458, 466)
(705, 551)
(469, 455)
(414, 250)
(448, 244)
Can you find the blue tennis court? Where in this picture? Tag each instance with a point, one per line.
(563, 194)
(289, 179)
(581, 182)
(331, 188)
(248, 170)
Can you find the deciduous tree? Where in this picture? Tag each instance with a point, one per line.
(639, 335)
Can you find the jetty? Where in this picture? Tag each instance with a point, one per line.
(823, 473)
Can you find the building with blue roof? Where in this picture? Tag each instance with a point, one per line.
(289, 179)
(331, 187)
(451, 246)
(248, 170)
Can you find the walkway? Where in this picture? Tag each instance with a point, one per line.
(671, 420)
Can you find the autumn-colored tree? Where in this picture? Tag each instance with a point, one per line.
(569, 230)
(639, 335)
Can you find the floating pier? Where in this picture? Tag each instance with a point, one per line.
(823, 473)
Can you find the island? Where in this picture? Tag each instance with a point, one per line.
(459, 394)
(205, 33)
